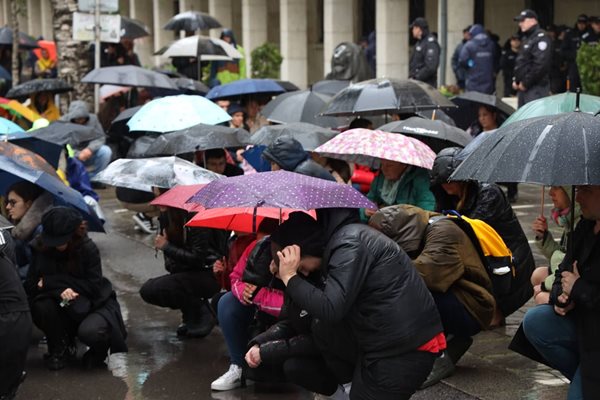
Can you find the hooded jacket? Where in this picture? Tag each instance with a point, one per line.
(289, 154)
(479, 58)
(79, 109)
(444, 256)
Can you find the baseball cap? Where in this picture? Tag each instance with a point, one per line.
(58, 225)
(594, 20)
(582, 18)
(420, 22)
(526, 14)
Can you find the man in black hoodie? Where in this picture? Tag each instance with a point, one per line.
(425, 58)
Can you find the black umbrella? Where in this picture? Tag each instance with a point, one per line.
(133, 28)
(561, 149)
(37, 86)
(129, 75)
(468, 107)
(382, 96)
(140, 146)
(330, 87)
(436, 115)
(198, 137)
(309, 135)
(434, 133)
(191, 21)
(287, 85)
(190, 86)
(25, 41)
(302, 106)
(64, 133)
(126, 114)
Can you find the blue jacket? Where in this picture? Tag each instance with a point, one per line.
(479, 57)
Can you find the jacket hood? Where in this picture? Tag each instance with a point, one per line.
(444, 165)
(476, 30)
(332, 219)
(77, 109)
(33, 217)
(404, 224)
(286, 152)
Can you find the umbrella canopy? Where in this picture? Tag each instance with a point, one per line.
(562, 149)
(310, 136)
(178, 196)
(245, 87)
(48, 150)
(207, 48)
(16, 108)
(140, 146)
(126, 114)
(49, 46)
(437, 115)
(330, 87)
(38, 85)
(128, 75)
(367, 147)
(301, 106)
(190, 86)
(133, 28)
(173, 113)
(17, 163)
(279, 189)
(382, 95)
(107, 91)
(7, 126)
(468, 107)
(191, 21)
(434, 133)
(287, 85)
(25, 41)
(63, 133)
(162, 172)
(552, 105)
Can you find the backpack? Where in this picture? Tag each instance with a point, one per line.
(493, 252)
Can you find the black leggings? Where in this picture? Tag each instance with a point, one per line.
(15, 333)
(179, 290)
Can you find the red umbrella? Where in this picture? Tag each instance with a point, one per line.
(178, 196)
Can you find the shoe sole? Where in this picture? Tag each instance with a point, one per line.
(140, 224)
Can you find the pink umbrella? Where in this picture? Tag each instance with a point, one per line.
(368, 147)
(178, 196)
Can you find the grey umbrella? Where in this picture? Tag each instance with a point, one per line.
(309, 135)
(38, 85)
(25, 41)
(190, 86)
(468, 107)
(198, 137)
(434, 133)
(191, 21)
(301, 106)
(330, 87)
(63, 133)
(133, 28)
(129, 75)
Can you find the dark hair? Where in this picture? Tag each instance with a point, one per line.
(341, 167)
(268, 226)
(214, 153)
(301, 229)
(360, 123)
(176, 225)
(26, 190)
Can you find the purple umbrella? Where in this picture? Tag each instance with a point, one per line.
(279, 189)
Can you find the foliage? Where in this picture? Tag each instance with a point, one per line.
(588, 63)
(266, 60)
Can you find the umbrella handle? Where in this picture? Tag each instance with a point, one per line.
(542, 198)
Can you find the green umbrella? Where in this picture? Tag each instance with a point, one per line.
(551, 105)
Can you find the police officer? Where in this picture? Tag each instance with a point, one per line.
(532, 66)
(594, 36)
(426, 55)
(479, 57)
(571, 43)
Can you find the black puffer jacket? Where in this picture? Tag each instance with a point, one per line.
(289, 154)
(202, 247)
(371, 284)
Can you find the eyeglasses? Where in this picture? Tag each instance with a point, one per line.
(12, 202)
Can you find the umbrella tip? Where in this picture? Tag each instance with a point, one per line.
(577, 95)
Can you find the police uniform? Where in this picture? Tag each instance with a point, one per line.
(425, 60)
(532, 66)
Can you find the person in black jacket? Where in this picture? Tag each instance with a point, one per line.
(189, 255)
(532, 66)
(569, 46)
(69, 297)
(507, 63)
(288, 154)
(479, 58)
(371, 285)
(425, 58)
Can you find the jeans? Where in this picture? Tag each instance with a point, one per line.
(555, 338)
(98, 161)
(235, 319)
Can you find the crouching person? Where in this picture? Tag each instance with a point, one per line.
(69, 297)
(451, 268)
(369, 283)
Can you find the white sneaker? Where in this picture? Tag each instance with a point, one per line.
(340, 394)
(229, 380)
(144, 223)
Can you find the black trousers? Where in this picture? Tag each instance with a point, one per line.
(15, 334)
(180, 290)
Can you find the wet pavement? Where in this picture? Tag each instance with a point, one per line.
(161, 366)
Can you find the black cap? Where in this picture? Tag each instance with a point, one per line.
(526, 14)
(594, 20)
(235, 108)
(582, 18)
(58, 225)
(420, 22)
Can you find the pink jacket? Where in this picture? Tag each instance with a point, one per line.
(267, 300)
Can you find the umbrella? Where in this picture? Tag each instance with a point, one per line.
(207, 48)
(173, 113)
(302, 106)
(50, 47)
(128, 75)
(190, 86)
(437, 115)
(310, 136)
(7, 126)
(267, 87)
(126, 114)
(14, 107)
(330, 87)
(382, 95)
(133, 28)
(191, 21)
(198, 137)
(434, 133)
(63, 133)
(287, 85)
(38, 85)
(367, 147)
(279, 189)
(4, 74)
(561, 149)
(140, 146)
(25, 41)
(178, 196)
(48, 150)
(468, 107)
(107, 91)
(17, 163)
(145, 173)
(556, 104)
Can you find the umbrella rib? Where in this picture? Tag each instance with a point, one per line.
(586, 157)
(534, 151)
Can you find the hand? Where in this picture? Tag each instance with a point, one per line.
(273, 268)
(249, 290)
(289, 261)
(239, 155)
(253, 356)
(540, 227)
(515, 86)
(160, 242)
(84, 154)
(69, 294)
(563, 311)
(219, 266)
(521, 87)
(369, 212)
(40, 283)
(569, 279)
(537, 289)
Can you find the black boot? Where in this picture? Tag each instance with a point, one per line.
(182, 328)
(201, 321)
(457, 346)
(94, 357)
